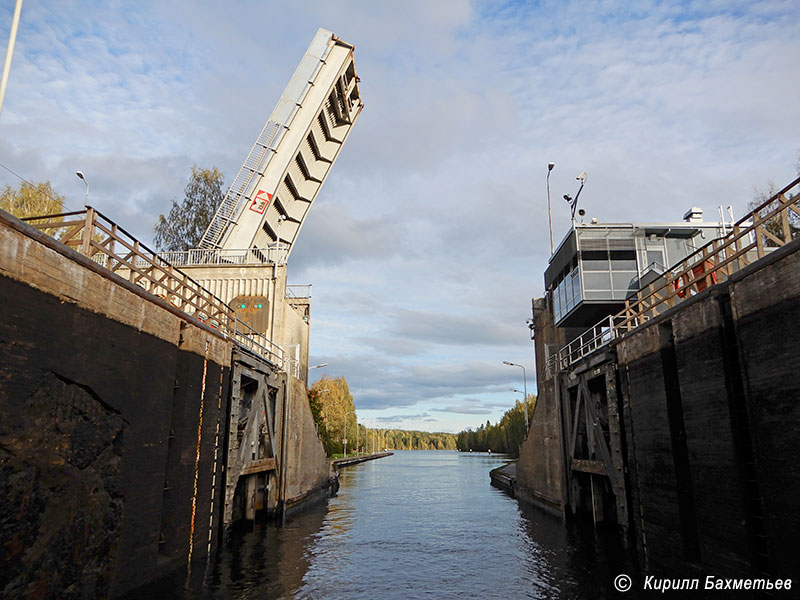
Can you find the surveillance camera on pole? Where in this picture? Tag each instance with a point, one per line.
(573, 203)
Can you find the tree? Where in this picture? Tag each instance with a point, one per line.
(32, 200)
(334, 412)
(775, 224)
(505, 437)
(183, 228)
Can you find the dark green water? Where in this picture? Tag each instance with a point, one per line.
(414, 525)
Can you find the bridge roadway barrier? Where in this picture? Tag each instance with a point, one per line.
(683, 432)
(116, 426)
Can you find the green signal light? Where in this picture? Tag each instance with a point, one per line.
(241, 306)
(259, 306)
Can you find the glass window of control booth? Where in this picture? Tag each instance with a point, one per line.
(607, 262)
(678, 249)
(566, 293)
(663, 252)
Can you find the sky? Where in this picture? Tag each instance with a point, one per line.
(430, 236)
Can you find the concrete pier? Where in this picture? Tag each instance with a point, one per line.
(505, 478)
(354, 460)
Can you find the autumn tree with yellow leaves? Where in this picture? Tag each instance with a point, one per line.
(32, 200)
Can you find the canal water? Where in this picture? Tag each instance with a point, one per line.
(413, 525)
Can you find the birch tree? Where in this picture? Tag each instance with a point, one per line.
(184, 226)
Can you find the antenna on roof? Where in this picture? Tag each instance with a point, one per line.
(573, 204)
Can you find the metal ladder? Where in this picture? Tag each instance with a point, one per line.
(256, 163)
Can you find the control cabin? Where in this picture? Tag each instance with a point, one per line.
(597, 266)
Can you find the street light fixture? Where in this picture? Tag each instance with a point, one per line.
(319, 366)
(83, 177)
(525, 386)
(281, 219)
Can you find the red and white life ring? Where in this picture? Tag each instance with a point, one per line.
(699, 278)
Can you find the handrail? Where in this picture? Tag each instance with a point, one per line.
(762, 230)
(274, 253)
(298, 290)
(94, 235)
(266, 144)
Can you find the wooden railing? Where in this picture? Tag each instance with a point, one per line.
(94, 235)
(771, 225)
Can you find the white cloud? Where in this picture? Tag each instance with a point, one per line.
(430, 237)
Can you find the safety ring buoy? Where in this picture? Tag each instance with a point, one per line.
(682, 284)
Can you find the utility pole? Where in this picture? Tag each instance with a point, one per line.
(12, 38)
(525, 391)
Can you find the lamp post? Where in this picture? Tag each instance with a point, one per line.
(281, 219)
(319, 366)
(83, 177)
(10, 51)
(525, 388)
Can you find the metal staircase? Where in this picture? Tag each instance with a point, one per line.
(281, 176)
(255, 164)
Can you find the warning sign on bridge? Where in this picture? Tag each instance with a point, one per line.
(260, 202)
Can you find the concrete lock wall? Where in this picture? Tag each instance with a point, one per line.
(709, 422)
(713, 422)
(101, 389)
(308, 469)
(288, 320)
(294, 329)
(540, 464)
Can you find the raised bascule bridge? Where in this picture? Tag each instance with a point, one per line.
(148, 401)
(667, 361)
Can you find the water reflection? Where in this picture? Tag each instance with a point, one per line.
(266, 558)
(415, 525)
(572, 561)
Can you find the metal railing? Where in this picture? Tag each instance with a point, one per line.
(256, 162)
(265, 146)
(298, 290)
(766, 228)
(272, 254)
(94, 235)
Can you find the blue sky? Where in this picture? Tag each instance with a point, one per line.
(430, 237)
